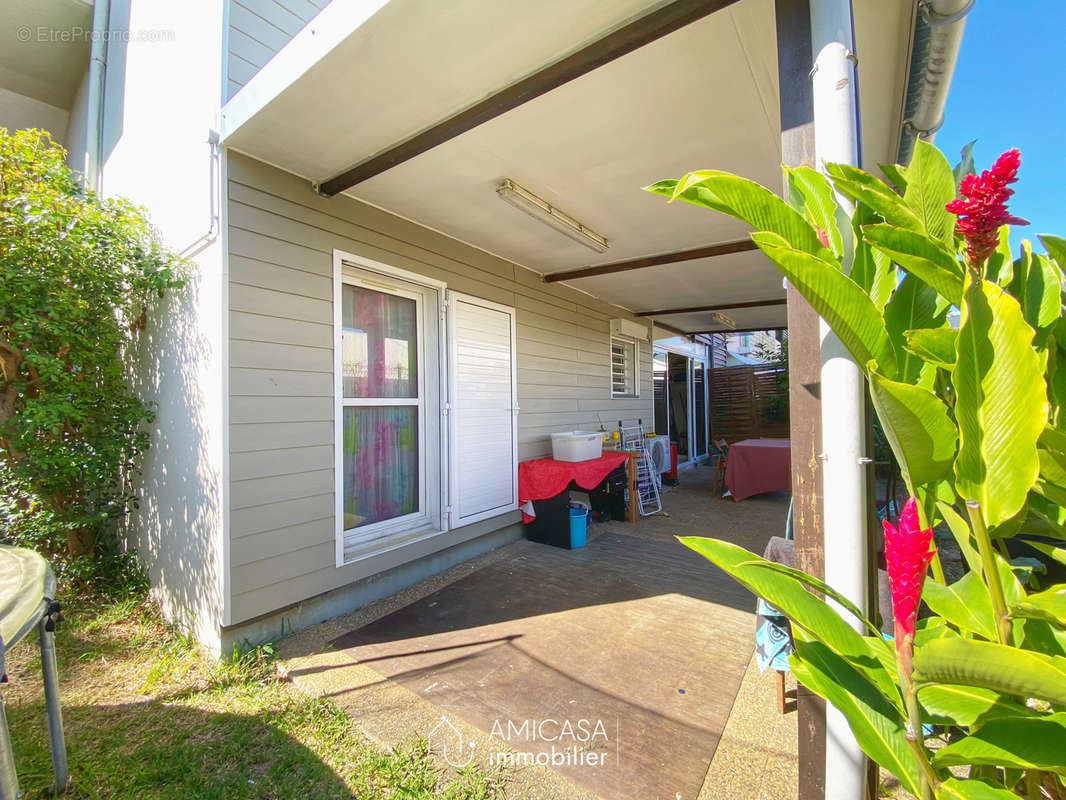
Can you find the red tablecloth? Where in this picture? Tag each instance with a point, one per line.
(758, 465)
(541, 478)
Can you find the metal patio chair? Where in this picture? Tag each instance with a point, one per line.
(27, 589)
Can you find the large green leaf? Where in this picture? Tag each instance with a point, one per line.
(820, 586)
(1007, 670)
(745, 200)
(913, 306)
(1054, 439)
(1054, 552)
(934, 345)
(1041, 637)
(878, 727)
(949, 704)
(1046, 297)
(1052, 466)
(965, 165)
(921, 256)
(1056, 373)
(896, 173)
(1056, 248)
(999, 268)
(965, 604)
(1053, 492)
(865, 188)
(1048, 605)
(917, 426)
(963, 537)
(930, 186)
(804, 609)
(972, 789)
(870, 268)
(821, 204)
(838, 300)
(1001, 403)
(1019, 742)
(1037, 283)
(1008, 579)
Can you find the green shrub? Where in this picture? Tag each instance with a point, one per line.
(79, 273)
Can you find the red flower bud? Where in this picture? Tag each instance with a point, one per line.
(908, 552)
(984, 208)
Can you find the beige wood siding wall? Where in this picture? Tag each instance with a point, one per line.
(257, 30)
(281, 242)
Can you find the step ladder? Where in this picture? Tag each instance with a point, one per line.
(634, 441)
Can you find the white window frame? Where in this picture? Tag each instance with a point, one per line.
(430, 519)
(629, 342)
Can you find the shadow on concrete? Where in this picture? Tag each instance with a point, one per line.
(612, 568)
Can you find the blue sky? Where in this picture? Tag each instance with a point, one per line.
(1009, 90)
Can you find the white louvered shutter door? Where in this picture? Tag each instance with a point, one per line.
(483, 410)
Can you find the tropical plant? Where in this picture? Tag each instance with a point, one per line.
(79, 272)
(976, 418)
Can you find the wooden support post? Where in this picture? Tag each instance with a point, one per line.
(795, 59)
(631, 476)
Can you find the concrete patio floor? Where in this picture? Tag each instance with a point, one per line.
(634, 632)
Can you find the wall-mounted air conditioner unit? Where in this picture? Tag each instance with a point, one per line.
(627, 327)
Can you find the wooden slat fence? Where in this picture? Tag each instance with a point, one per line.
(748, 402)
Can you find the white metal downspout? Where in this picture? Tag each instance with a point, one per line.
(94, 122)
(836, 139)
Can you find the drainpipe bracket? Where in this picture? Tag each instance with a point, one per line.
(935, 19)
(848, 54)
(921, 133)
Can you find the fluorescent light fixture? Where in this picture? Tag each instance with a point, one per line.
(723, 320)
(545, 212)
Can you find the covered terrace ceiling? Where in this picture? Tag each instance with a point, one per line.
(45, 51)
(702, 96)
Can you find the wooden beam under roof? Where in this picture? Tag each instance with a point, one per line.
(778, 301)
(735, 330)
(631, 36)
(709, 251)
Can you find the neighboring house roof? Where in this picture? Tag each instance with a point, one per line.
(735, 359)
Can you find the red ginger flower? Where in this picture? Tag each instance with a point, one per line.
(984, 208)
(907, 557)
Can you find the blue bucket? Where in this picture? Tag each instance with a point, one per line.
(579, 518)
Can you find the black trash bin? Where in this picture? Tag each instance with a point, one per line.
(609, 498)
(552, 523)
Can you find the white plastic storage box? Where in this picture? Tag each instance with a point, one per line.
(577, 445)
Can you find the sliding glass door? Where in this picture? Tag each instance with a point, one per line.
(680, 402)
(679, 405)
(658, 377)
(699, 408)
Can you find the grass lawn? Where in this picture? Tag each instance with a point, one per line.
(147, 717)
